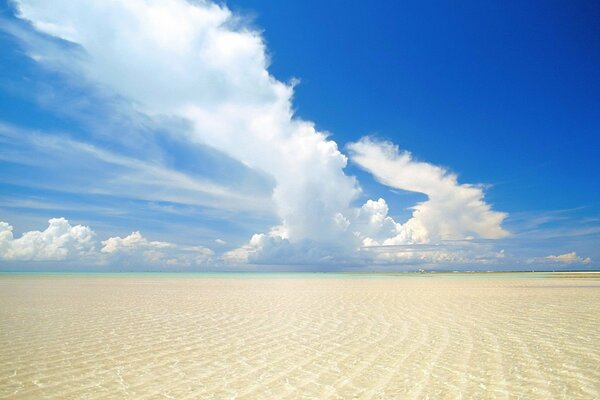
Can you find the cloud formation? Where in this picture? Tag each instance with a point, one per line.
(130, 243)
(568, 258)
(114, 173)
(60, 241)
(135, 247)
(452, 211)
(198, 63)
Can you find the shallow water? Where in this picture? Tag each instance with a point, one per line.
(321, 336)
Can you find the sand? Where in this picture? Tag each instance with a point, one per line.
(142, 336)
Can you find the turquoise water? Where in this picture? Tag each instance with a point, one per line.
(292, 275)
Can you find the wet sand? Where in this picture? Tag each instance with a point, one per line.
(321, 336)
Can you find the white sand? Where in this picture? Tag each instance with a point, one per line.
(333, 337)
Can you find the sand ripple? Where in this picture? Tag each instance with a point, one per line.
(335, 337)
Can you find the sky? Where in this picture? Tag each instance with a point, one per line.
(306, 136)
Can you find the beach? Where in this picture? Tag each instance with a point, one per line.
(300, 336)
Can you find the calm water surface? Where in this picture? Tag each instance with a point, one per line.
(320, 336)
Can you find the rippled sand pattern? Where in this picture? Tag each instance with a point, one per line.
(334, 337)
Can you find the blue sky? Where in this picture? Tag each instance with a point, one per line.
(256, 135)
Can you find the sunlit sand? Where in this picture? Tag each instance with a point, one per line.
(316, 336)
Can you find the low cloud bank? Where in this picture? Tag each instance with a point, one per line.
(63, 242)
(568, 258)
(60, 241)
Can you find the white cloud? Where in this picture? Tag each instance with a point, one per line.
(372, 225)
(196, 62)
(274, 249)
(130, 243)
(135, 247)
(568, 258)
(452, 211)
(60, 241)
(460, 254)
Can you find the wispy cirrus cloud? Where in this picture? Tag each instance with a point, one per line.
(103, 171)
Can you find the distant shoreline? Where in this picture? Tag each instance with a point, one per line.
(545, 273)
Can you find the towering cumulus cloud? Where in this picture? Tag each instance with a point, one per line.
(196, 62)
